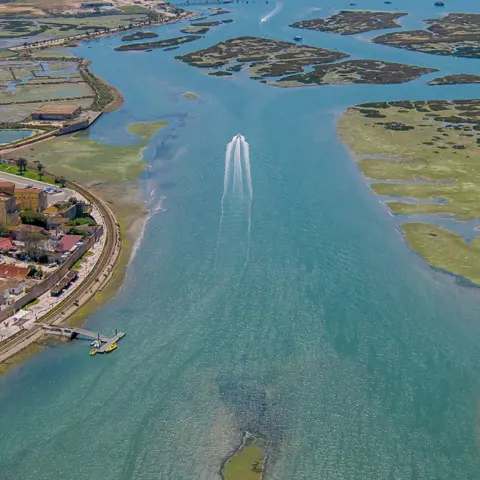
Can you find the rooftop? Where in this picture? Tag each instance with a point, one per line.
(68, 241)
(10, 272)
(4, 184)
(6, 244)
(28, 190)
(57, 109)
(26, 228)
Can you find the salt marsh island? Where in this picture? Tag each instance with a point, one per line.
(456, 34)
(350, 22)
(271, 58)
(166, 43)
(431, 168)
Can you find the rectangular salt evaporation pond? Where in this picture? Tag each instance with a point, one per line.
(7, 136)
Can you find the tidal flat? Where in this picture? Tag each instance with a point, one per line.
(247, 463)
(432, 158)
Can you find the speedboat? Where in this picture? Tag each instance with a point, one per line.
(93, 352)
(112, 347)
(298, 39)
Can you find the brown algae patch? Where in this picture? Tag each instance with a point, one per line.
(248, 462)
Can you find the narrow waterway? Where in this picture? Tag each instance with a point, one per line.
(293, 309)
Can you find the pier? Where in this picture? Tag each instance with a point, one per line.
(72, 333)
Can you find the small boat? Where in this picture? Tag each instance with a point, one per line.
(439, 4)
(112, 347)
(96, 344)
(298, 39)
(93, 352)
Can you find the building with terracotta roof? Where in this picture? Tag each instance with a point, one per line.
(21, 232)
(8, 188)
(68, 242)
(6, 244)
(8, 209)
(57, 112)
(31, 199)
(10, 272)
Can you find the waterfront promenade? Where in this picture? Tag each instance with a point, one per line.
(94, 282)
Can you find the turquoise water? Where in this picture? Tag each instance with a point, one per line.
(7, 136)
(316, 326)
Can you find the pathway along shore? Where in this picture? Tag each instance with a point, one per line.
(95, 281)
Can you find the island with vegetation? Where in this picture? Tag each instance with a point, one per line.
(203, 27)
(349, 22)
(458, 79)
(355, 71)
(166, 43)
(140, 35)
(456, 34)
(271, 58)
(422, 157)
(247, 463)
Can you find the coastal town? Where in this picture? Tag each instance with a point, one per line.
(51, 237)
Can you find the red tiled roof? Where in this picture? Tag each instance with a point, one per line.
(9, 271)
(6, 244)
(68, 241)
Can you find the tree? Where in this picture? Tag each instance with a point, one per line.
(61, 180)
(21, 164)
(3, 229)
(35, 245)
(40, 170)
(31, 217)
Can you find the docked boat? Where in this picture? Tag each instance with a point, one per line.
(96, 344)
(93, 352)
(112, 347)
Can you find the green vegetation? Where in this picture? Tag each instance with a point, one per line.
(247, 462)
(456, 34)
(445, 249)
(13, 169)
(30, 217)
(31, 304)
(82, 221)
(271, 58)
(78, 263)
(441, 149)
(7, 53)
(138, 36)
(168, 42)
(348, 22)
(87, 161)
(103, 92)
(460, 79)
(437, 160)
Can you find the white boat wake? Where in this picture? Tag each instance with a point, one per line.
(276, 10)
(233, 243)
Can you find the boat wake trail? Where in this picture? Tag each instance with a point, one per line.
(276, 10)
(233, 243)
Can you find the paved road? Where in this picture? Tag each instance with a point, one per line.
(21, 182)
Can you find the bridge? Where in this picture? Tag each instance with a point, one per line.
(81, 332)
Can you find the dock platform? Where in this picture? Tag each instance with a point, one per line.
(112, 340)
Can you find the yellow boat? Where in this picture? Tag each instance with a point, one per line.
(112, 347)
(93, 351)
